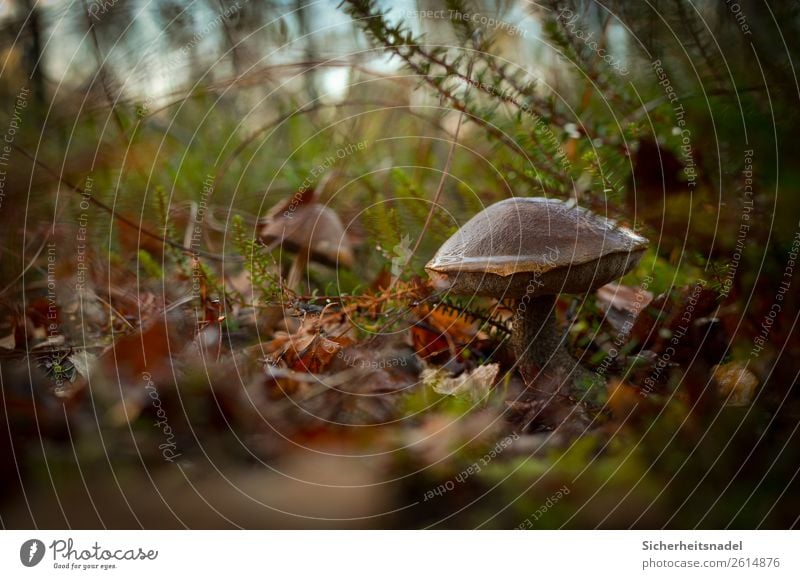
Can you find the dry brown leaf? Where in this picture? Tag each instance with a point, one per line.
(736, 383)
(622, 304)
(441, 332)
(307, 350)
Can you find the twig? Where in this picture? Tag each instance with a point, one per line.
(27, 267)
(113, 310)
(125, 220)
(439, 189)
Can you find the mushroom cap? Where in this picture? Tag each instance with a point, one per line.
(534, 246)
(315, 228)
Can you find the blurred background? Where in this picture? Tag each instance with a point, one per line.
(157, 371)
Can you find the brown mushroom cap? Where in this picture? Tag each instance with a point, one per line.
(537, 246)
(315, 228)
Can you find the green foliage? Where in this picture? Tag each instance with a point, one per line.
(149, 267)
(259, 263)
(425, 401)
(380, 221)
(665, 276)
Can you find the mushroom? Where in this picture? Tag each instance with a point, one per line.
(530, 250)
(313, 232)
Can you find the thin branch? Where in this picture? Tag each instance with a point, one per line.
(129, 222)
(438, 194)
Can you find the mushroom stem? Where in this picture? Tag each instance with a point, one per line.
(535, 338)
(538, 342)
(297, 270)
(538, 345)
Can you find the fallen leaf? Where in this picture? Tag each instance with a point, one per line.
(429, 344)
(450, 321)
(475, 384)
(442, 333)
(306, 351)
(736, 383)
(665, 317)
(8, 342)
(622, 304)
(83, 361)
